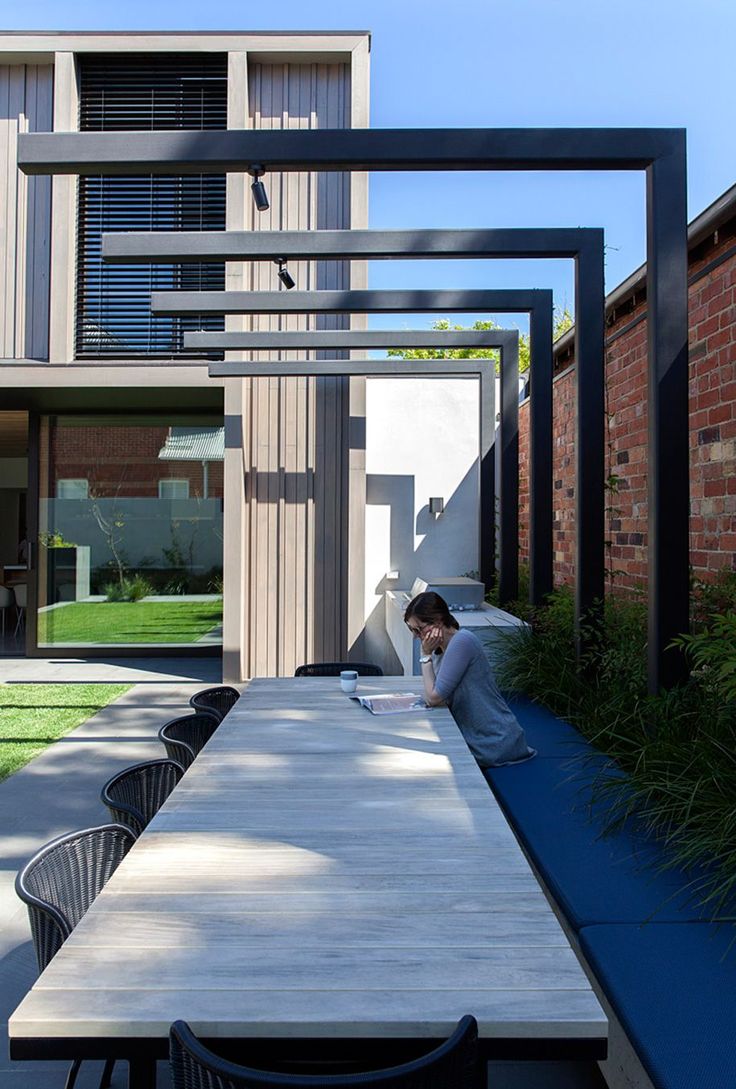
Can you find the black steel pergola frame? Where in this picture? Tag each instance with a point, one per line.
(538, 303)
(506, 341)
(583, 245)
(659, 152)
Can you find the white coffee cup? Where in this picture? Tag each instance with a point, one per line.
(348, 681)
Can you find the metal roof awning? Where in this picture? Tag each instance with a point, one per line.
(194, 444)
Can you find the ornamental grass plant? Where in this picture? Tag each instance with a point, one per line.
(678, 748)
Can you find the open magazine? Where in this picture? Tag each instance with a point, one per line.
(391, 703)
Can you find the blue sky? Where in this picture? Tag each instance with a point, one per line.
(548, 63)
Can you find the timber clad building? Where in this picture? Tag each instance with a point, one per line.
(121, 458)
(264, 519)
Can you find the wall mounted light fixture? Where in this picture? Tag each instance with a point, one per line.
(284, 275)
(258, 189)
(436, 505)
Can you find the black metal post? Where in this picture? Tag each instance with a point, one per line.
(540, 458)
(590, 443)
(669, 425)
(508, 582)
(661, 152)
(507, 342)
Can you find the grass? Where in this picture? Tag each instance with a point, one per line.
(32, 716)
(109, 622)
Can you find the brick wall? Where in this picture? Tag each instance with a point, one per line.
(123, 461)
(712, 322)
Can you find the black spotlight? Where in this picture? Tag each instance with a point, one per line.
(284, 275)
(258, 189)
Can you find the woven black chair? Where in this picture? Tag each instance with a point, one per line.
(59, 884)
(334, 669)
(452, 1065)
(136, 794)
(218, 701)
(186, 736)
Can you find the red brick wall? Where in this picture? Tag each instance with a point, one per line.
(123, 461)
(712, 318)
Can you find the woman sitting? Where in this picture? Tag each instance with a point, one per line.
(456, 671)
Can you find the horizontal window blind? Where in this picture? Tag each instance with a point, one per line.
(132, 92)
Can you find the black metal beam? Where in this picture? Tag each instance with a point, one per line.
(356, 368)
(189, 152)
(350, 302)
(507, 342)
(342, 339)
(538, 303)
(584, 245)
(181, 247)
(660, 151)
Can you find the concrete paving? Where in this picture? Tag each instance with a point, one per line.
(59, 791)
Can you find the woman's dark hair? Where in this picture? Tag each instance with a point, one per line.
(430, 608)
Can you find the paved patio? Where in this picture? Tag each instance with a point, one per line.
(58, 792)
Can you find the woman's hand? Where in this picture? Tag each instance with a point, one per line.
(431, 639)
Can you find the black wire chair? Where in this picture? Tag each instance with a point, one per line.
(218, 701)
(452, 1065)
(59, 884)
(334, 669)
(186, 736)
(136, 794)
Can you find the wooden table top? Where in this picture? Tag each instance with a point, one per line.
(320, 872)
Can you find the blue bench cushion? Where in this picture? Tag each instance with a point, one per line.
(549, 735)
(594, 878)
(674, 993)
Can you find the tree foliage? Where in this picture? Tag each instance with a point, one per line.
(562, 322)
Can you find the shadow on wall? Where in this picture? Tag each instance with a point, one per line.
(449, 546)
(450, 541)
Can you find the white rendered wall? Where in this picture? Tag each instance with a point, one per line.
(422, 440)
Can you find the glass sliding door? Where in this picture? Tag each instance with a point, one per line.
(129, 550)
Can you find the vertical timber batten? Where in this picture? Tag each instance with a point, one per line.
(26, 101)
(236, 508)
(64, 217)
(296, 478)
(356, 423)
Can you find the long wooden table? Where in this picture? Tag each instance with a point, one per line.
(323, 874)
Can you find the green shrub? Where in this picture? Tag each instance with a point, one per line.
(214, 584)
(711, 597)
(520, 606)
(129, 589)
(678, 748)
(713, 653)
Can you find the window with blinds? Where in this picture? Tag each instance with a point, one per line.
(121, 92)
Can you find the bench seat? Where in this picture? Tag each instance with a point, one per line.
(545, 732)
(668, 974)
(595, 878)
(673, 988)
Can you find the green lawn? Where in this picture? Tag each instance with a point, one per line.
(34, 715)
(129, 622)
